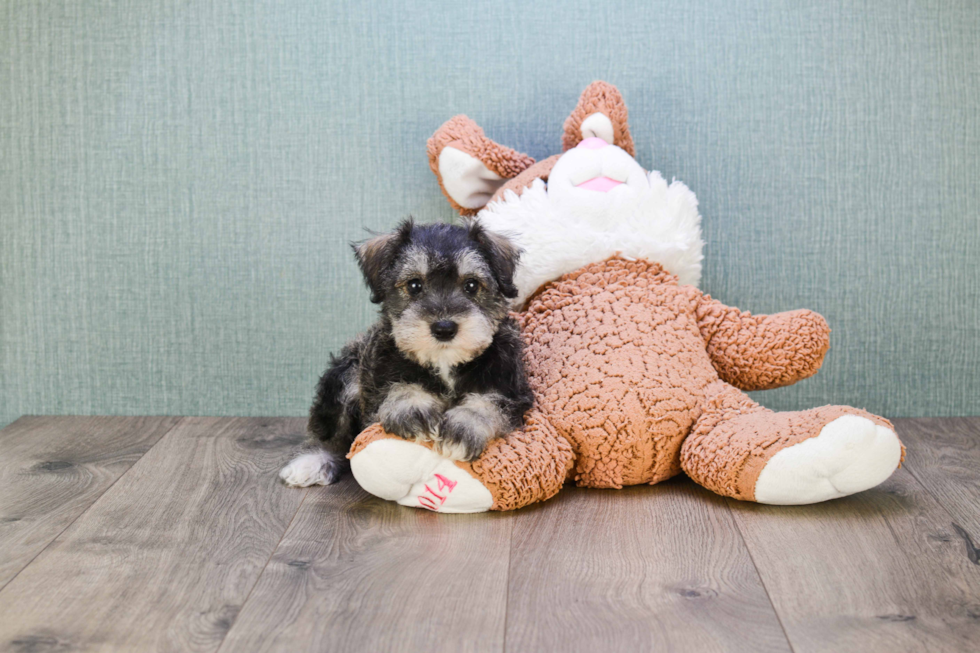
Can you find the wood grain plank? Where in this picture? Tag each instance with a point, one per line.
(944, 455)
(877, 571)
(355, 573)
(165, 559)
(639, 569)
(53, 468)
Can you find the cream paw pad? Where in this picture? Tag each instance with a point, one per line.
(414, 475)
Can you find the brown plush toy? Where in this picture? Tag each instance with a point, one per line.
(637, 375)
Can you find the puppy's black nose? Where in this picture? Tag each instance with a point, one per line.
(444, 330)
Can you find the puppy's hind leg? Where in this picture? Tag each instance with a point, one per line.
(314, 467)
(335, 420)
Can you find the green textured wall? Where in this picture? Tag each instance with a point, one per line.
(178, 179)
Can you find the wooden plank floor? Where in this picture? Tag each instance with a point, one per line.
(173, 534)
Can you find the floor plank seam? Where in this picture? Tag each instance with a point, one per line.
(510, 559)
(90, 506)
(748, 549)
(258, 578)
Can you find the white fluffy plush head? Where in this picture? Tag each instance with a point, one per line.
(573, 220)
(593, 202)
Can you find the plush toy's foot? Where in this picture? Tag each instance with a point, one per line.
(741, 450)
(414, 475)
(851, 454)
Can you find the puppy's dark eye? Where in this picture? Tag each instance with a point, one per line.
(470, 286)
(414, 286)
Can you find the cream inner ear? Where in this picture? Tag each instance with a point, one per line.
(466, 180)
(598, 125)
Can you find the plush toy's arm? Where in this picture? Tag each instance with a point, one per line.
(758, 352)
(521, 468)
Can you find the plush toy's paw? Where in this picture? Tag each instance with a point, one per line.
(851, 454)
(416, 476)
(312, 468)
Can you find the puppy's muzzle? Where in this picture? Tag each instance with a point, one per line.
(444, 330)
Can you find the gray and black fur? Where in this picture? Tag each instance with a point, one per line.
(444, 360)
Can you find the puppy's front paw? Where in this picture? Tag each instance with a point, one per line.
(462, 435)
(412, 422)
(411, 413)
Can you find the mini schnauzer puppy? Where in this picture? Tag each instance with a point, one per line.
(443, 362)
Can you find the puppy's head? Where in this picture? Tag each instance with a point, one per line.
(444, 288)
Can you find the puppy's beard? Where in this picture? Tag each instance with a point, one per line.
(414, 338)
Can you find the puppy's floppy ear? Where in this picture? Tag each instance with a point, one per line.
(501, 255)
(375, 256)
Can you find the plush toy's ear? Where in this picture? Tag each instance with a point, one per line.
(501, 254)
(375, 256)
(600, 113)
(470, 167)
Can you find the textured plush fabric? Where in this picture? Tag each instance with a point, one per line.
(527, 466)
(617, 363)
(179, 180)
(627, 391)
(751, 351)
(624, 363)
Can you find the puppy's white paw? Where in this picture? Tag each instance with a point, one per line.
(314, 468)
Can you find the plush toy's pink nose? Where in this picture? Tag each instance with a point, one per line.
(593, 143)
